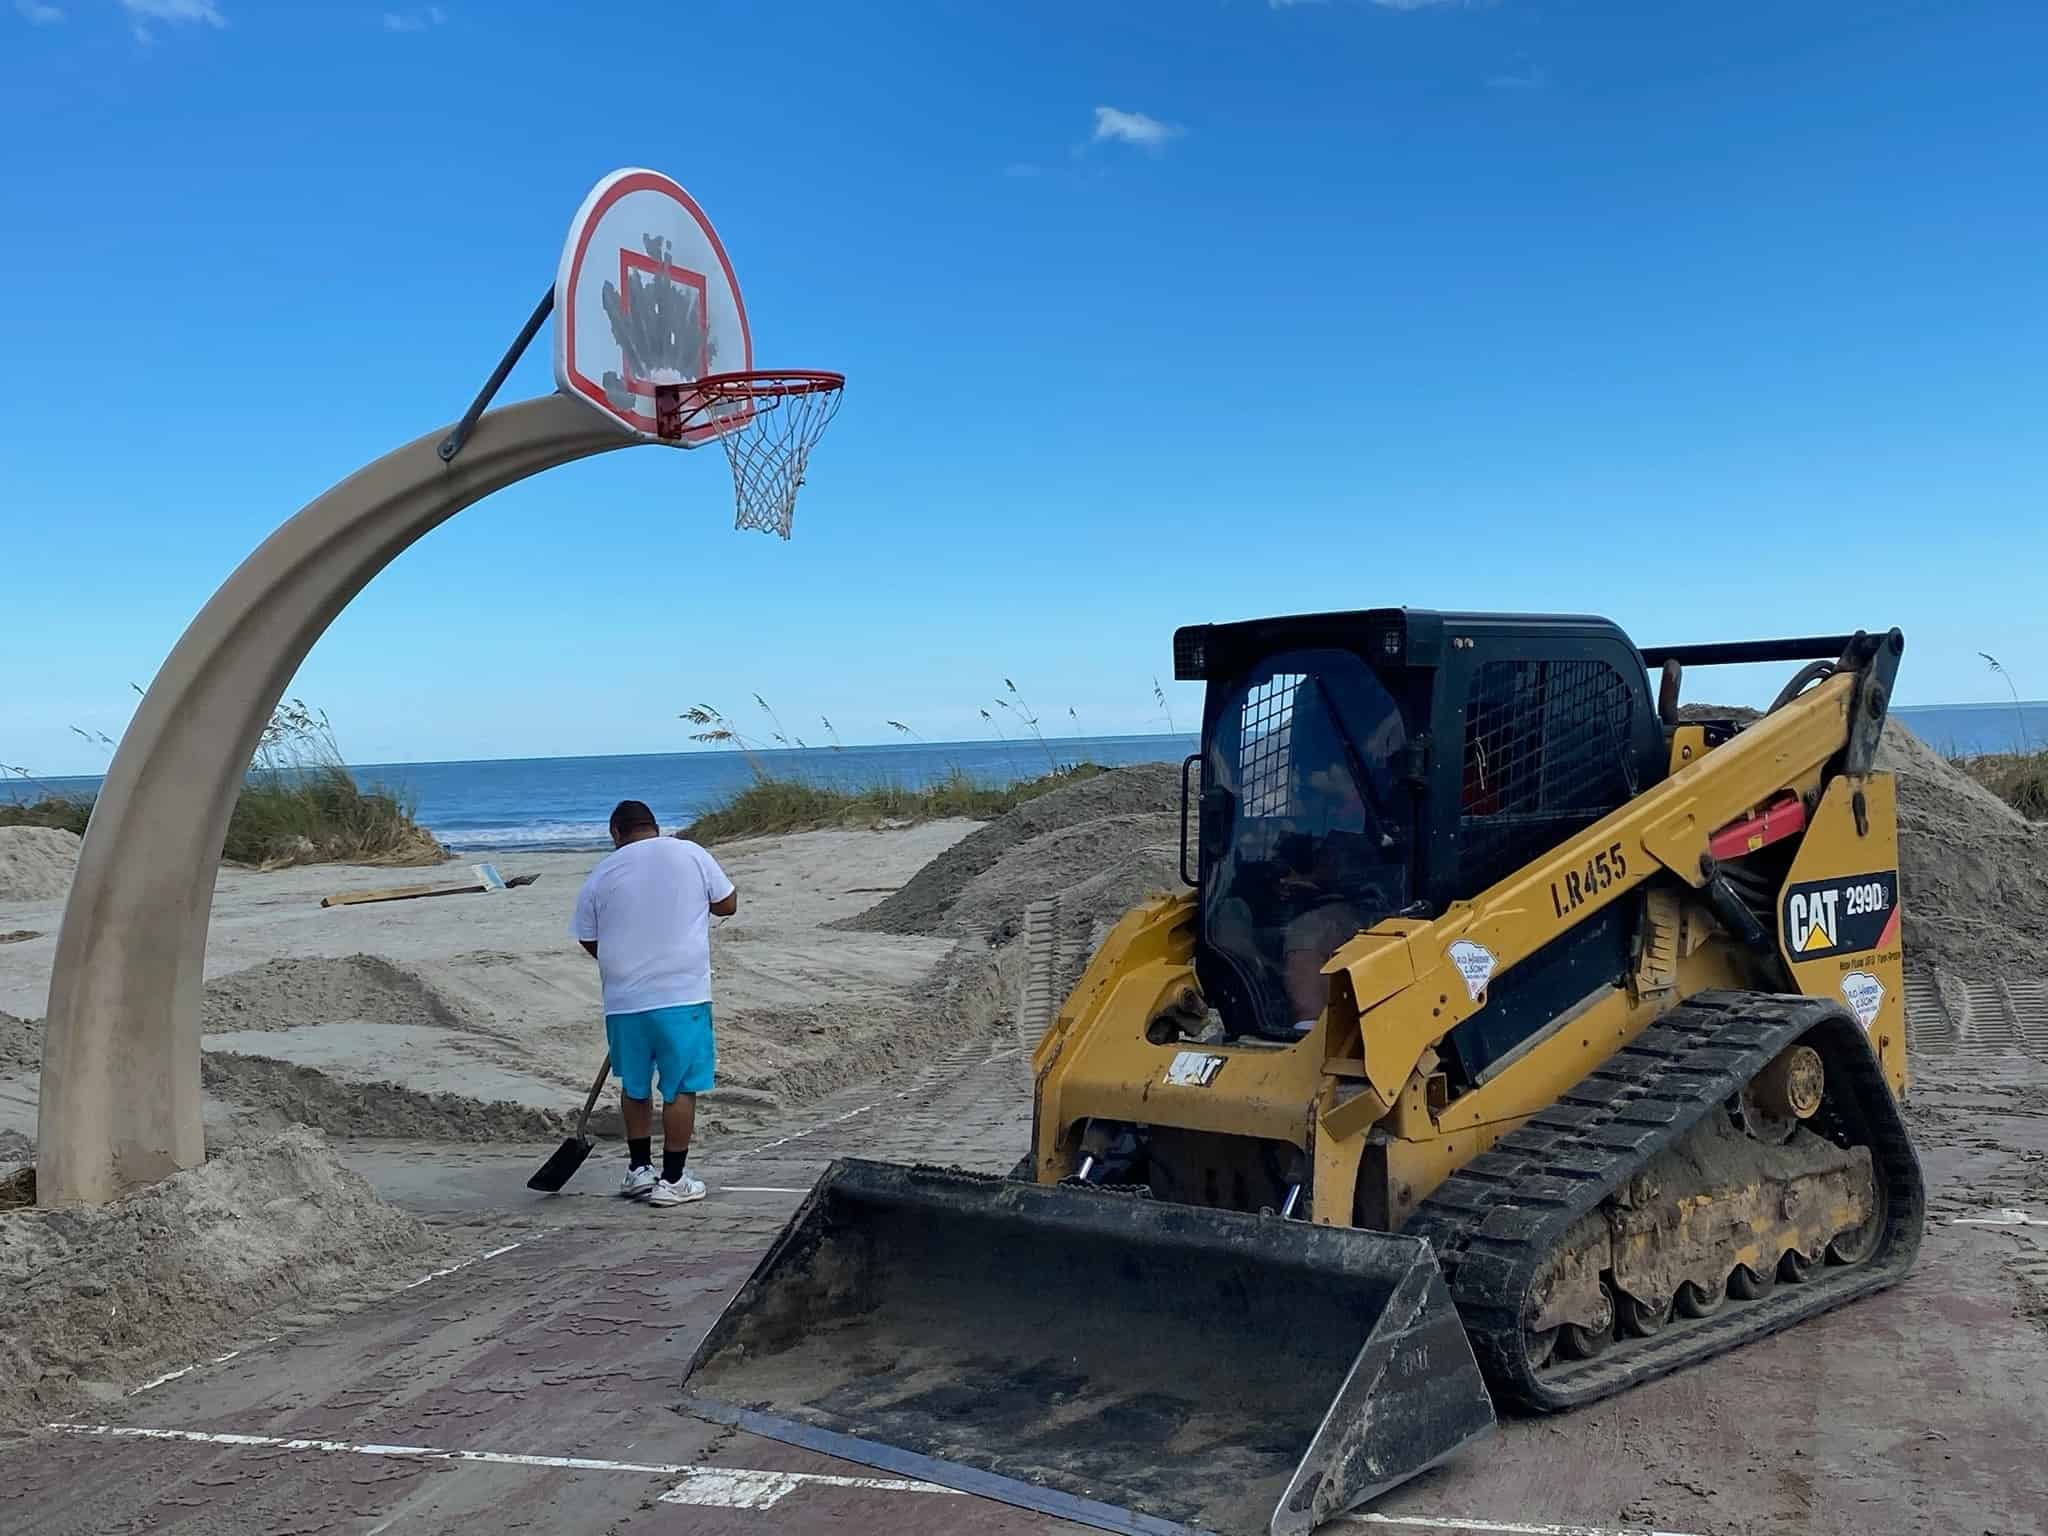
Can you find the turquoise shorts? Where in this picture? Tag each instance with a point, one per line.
(677, 1040)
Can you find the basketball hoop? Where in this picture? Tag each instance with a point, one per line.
(767, 423)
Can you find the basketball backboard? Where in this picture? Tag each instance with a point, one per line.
(645, 296)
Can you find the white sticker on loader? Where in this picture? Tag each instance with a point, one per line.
(1192, 1069)
(1475, 962)
(1864, 994)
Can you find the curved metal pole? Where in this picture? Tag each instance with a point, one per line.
(120, 1088)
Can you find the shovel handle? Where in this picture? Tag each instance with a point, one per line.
(604, 1069)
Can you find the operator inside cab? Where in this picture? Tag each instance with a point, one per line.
(1300, 811)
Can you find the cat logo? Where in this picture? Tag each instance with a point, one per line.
(1849, 915)
(1811, 921)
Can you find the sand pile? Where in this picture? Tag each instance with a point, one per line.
(925, 904)
(21, 1043)
(1974, 871)
(279, 1093)
(36, 863)
(1099, 870)
(285, 994)
(98, 1299)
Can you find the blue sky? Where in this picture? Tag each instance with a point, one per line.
(1721, 320)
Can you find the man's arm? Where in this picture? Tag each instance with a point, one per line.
(723, 895)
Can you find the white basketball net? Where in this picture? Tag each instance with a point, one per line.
(769, 422)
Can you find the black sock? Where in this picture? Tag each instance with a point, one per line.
(639, 1151)
(672, 1163)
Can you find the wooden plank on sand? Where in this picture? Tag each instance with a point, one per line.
(415, 892)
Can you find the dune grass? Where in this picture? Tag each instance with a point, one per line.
(2020, 779)
(774, 804)
(300, 805)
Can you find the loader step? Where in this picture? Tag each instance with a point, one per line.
(1494, 1238)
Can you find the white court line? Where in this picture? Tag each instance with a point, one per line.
(783, 1141)
(748, 1488)
(410, 1285)
(183, 1370)
(710, 1487)
(753, 1487)
(1497, 1527)
(2011, 1216)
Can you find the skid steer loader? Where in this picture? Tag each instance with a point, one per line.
(1518, 1041)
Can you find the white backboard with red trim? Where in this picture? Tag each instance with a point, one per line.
(645, 295)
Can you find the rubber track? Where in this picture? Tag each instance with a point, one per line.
(1495, 1222)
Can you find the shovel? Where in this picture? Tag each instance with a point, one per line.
(568, 1157)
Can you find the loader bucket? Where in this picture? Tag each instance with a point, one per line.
(1118, 1361)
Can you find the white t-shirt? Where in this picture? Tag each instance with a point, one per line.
(647, 908)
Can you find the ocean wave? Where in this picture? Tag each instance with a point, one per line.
(537, 836)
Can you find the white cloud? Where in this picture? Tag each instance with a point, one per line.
(37, 14)
(414, 21)
(142, 12)
(1133, 128)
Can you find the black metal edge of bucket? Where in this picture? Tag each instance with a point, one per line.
(796, 1229)
(1107, 1213)
(947, 1474)
(1421, 1305)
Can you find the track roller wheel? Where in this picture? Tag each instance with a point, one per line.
(1795, 1268)
(1700, 1300)
(1641, 1319)
(1584, 1342)
(1541, 1347)
(1854, 1247)
(1745, 1284)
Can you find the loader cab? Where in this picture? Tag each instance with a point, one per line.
(1358, 766)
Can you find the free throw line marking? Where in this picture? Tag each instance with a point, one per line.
(706, 1487)
(750, 1487)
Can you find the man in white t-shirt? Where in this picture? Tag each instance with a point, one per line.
(645, 916)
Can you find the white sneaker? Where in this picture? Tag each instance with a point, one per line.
(686, 1188)
(638, 1183)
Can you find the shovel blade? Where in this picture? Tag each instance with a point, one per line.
(562, 1166)
(1079, 1351)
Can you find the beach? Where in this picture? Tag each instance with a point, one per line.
(380, 1080)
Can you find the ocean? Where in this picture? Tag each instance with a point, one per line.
(539, 803)
(509, 804)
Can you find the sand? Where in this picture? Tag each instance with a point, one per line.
(97, 1299)
(474, 1003)
(21, 1042)
(278, 1093)
(36, 863)
(290, 994)
(1975, 871)
(926, 902)
(474, 1020)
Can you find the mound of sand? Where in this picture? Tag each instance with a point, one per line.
(284, 1093)
(36, 863)
(99, 1298)
(284, 994)
(1099, 869)
(21, 1043)
(925, 903)
(1974, 870)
